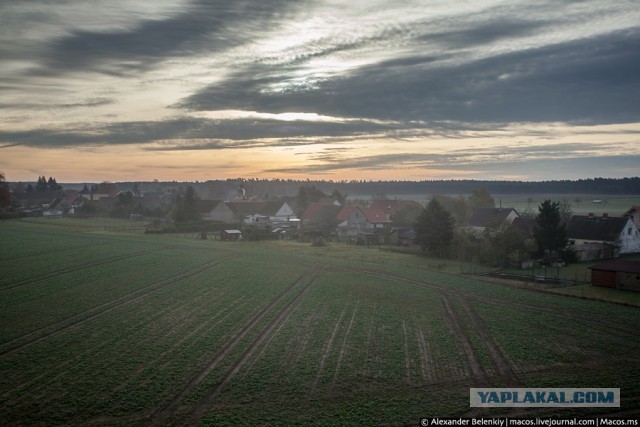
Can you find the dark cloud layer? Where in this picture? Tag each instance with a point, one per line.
(587, 81)
(191, 133)
(204, 26)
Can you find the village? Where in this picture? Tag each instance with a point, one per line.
(483, 232)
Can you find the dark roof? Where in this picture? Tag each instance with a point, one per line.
(487, 217)
(242, 209)
(620, 265)
(206, 205)
(390, 207)
(526, 224)
(631, 210)
(321, 213)
(605, 229)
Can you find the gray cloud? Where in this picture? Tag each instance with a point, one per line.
(204, 26)
(592, 80)
(194, 133)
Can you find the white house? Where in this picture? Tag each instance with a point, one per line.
(589, 231)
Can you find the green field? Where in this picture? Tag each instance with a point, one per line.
(106, 328)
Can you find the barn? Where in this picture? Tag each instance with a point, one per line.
(618, 274)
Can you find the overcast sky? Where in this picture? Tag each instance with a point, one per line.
(119, 90)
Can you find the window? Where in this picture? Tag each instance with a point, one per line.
(629, 231)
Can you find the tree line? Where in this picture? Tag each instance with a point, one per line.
(266, 188)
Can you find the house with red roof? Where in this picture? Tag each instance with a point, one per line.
(392, 207)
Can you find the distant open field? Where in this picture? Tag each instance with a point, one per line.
(581, 204)
(105, 328)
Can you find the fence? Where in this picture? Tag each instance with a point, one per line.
(553, 276)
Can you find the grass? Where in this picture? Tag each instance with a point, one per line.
(102, 327)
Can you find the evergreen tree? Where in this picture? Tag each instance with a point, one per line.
(434, 229)
(550, 232)
(41, 185)
(5, 193)
(190, 202)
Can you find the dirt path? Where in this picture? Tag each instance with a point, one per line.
(73, 322)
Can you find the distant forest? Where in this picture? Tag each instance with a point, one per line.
(281, 187)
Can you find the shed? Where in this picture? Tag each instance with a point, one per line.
(230, 235)
(617, 274)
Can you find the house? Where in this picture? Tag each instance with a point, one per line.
(376, 218)
(597, 237)
(392, 207)
(353, 220)
(618, 274)
(321, 215)
(525, 225)
(483, 218)
(273, 211)
(634, 214)
(217, 210)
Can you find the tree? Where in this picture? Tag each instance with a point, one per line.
(434, 229)
(5, 193)
(550, 231)
(52, 185)
(456, 206)
(341, 198)
(407, 216)
(308, 194)
(185, 206)
(190, 201)
(41, 185)
(481, 198)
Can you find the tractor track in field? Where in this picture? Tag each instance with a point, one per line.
(49, 252)
(405, 348)
(343, 346)
(64, 271)
(72, 322)
(62, 369)
(427, 366)
(479, 376)
(604, 325)
(503, 367)
(326, 350)
(193, 336)
(301, 343)
(162, 415)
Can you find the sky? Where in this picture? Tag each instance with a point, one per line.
(123, 90)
